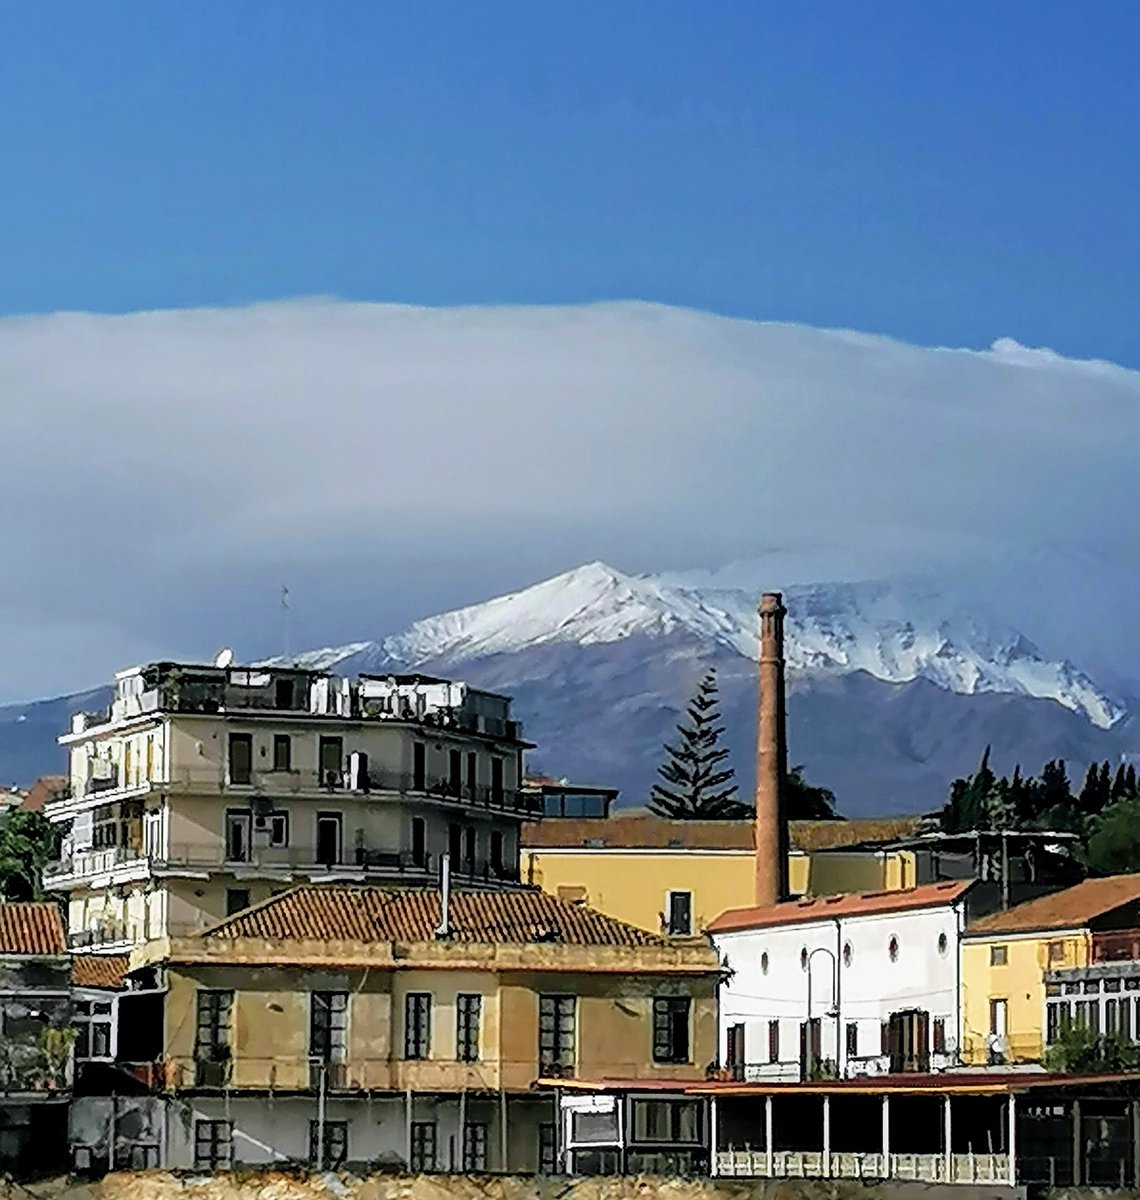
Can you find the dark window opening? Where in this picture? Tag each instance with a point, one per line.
(417, 1025)
(773, 1041)
(671, 1029)
(419, 767)
(334, 1152)
(328, 1026)
(237, 835)
(454, 772)
(328, 839)
(475, 1147)
(331, 761)
(419, 842)
(468, 1014)
(241, 758)
(213, 1145)
(851, 1048)
(667, 1121)
(423, 1147)
(283, 694)
(455, 844)
(282, 752)
(496, 781)
(497, 863)
(472, 774)
(680, 922)
(547, 1149)
(212, 1037)
(556, 1033)
(469, 850)
(236, 900)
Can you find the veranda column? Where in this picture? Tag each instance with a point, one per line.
(887, 1172)
(1012, 1140)
(948, 1137)
(768, 1132)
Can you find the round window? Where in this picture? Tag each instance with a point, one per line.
(804, 959)
(893, 948)
(848, 954)
(943, 943)
(764, 962)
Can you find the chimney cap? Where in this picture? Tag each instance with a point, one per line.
(772, 602)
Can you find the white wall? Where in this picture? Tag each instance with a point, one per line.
(871, 986)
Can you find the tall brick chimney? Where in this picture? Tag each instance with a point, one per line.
(771, 757)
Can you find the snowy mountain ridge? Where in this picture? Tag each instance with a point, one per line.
(894, 633)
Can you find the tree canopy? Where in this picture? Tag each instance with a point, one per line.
(28, 842)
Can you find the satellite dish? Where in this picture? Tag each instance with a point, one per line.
(224, 657)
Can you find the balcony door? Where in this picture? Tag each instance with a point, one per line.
(329, 838)
(237, 835)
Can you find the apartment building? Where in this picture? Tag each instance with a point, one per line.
(393, 1027)
(205, 789)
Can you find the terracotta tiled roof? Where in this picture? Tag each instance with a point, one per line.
(855, 904)
(99, 970)
(1068, 909)
(372, 914)
(31, 929)
(646, 832)
(42, 791)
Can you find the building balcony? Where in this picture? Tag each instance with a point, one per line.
(108, 937)
(1122, 945)
(110, 865)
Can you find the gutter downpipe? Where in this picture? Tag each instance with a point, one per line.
(840, 1047)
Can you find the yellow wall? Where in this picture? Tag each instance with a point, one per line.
(270, 1024)
(1020, 981)
(633, 885)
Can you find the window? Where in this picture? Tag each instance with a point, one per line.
(419, 767)
(328, 1026)
(998, 1013)
(472, 775)
(282, 752)
(283, 696)
(454, 772)
(469, 850)
(851, 1048)
(241, 758)
(764, 963)
(1111, 1016)
(468, 1011)
(1057, 1020)
(423, 1146)
(279, 829)
(498, 866)
(417, 1025)
(666, 1121)
(680, 919)
(998, 956)
(734, 1056)
(334, 1151)
(804, 958)
(848, 954)
(671, 1029)
(475, 1146)
(93, 1020)
(212, 1039)
(328, 839)
(556, 1032)
(547, 1149)
(419, 842)
(773, 1041)
(330, 761)
(237, 835)
(213, 1145)
(496, 781)
(455, 844)
(893, 948)
(943, 944)
(938, 1035)
(236, 900)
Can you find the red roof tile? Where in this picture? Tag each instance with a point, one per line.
(856, 904)
(99, 970)
(31, 929)
(1068, 909)
(372, 914)
(43, 790)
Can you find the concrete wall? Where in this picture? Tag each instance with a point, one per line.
(1019, 981)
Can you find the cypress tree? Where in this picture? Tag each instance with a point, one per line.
(696, 783)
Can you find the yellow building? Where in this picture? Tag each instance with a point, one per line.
(336, 1024)
(675, 877)
(1019, 964)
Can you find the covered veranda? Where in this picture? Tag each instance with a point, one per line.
(1011, 1128)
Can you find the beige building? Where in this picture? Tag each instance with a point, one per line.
(676, 877)
(206, 789)
(333, 1024)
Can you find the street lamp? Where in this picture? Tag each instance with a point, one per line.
(832, 1012)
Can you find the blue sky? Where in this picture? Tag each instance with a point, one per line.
(945, 173)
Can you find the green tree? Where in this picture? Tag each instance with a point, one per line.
(1077, 1050)
(1114, 839)
(805, 801)
(28, 842)
(697, 785)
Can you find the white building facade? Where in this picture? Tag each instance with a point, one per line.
(864, 984)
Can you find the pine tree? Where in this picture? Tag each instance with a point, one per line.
(697, 785)
(1120, 784)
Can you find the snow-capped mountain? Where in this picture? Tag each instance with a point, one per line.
(892, 634)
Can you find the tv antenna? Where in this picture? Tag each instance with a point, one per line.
(285, 618)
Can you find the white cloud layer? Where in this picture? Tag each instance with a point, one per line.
(166, 472)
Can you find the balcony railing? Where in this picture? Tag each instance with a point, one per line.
(84, 863)
(1123, 945)
(106, 934)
